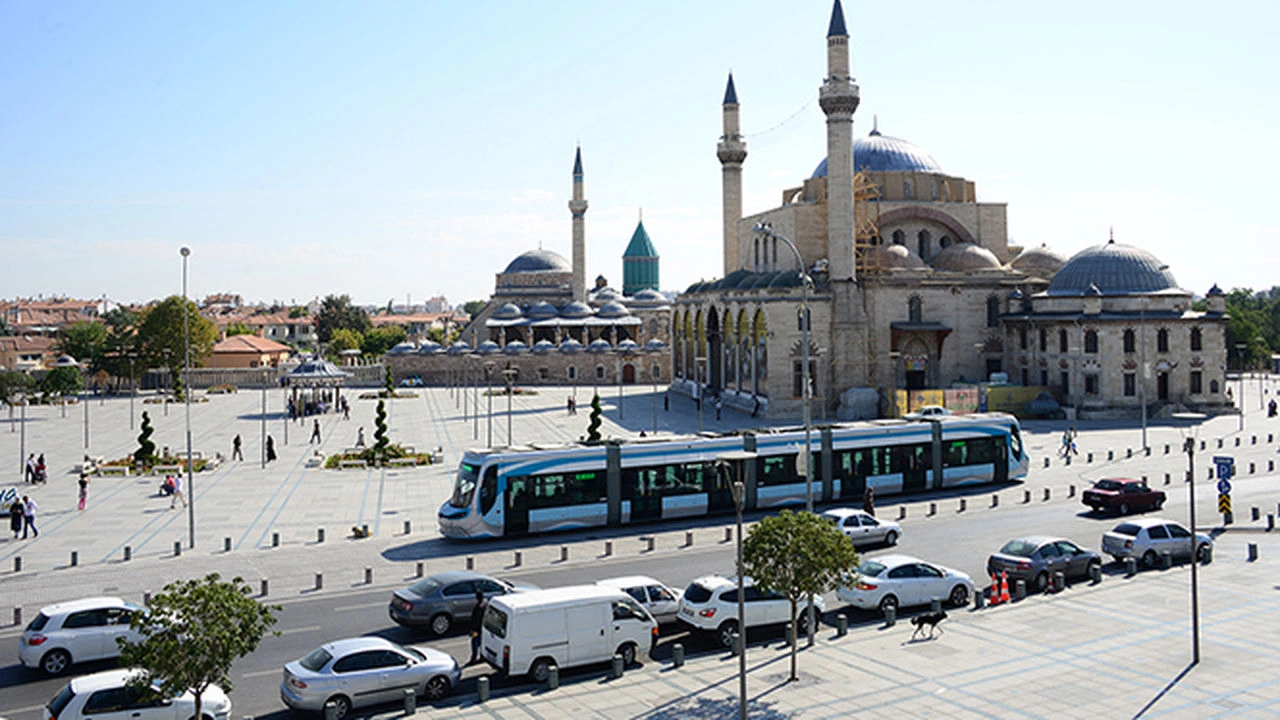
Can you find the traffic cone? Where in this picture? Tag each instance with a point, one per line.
(1049, 589)
(995, 591)
(1004, 586)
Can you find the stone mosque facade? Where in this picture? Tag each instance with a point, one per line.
(914, 286)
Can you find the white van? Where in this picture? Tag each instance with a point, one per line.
(528, 633)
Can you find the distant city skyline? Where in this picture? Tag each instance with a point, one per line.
(390, 149)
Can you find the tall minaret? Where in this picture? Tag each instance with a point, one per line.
(578, 206)
(838, 98)
(731, 150)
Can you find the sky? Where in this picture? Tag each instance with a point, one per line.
(397, 151)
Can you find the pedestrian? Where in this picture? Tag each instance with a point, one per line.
(718, 406)
(178, 493)
(755, 407)
(477, 624)
(869, 501)
(84, 491)
(568, 405)
(236, 454)
(31, 468)
(15, 517)
(346, 409)
(29, 508)
(360, 438)
(271, 448)
(42, 474)
(315, 432)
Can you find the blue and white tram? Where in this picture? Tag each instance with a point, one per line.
(527, 490)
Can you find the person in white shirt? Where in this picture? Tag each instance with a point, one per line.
(177, 492)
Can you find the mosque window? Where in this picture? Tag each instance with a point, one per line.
(775, 252)
(899, 237)
(923, 240)
(757, 244)
(1129, 343)
(1195, 339)
(1091, 385)
(907, 193)
(915, 309)
(1213, 387)
(933, 189)
(1044, 378)
(1022, 376)
(1091, 341)
(1044, 341)
(1022, 342)
(1062, 341)
(945, 242)
(572, 372)
(600, 372)
(993, 311)
(1197, 378)
(656, 371)
(1162, 340)
(1130, 384)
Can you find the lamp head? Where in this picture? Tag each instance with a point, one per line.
(185, 251)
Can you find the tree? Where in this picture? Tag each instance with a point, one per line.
(388, 382)
(344, 339)
(381, 339)
(474, 307)
(192, 632)
(86, 342)
(122, 343)
(380, 441)
(298, 311)
(593, 427)
(798, 554)
(146, 449)
(160, 335)
(337, 312)
(238, 328)
(11, 384)
(62, 381)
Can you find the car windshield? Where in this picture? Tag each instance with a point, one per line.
(465, 485)
(1108, 485)
(696, 593)
(415, 652)
(60, 701)
(870, 568)
(1021, 548)
(424, 587)
(1129, 529)
(316, 660)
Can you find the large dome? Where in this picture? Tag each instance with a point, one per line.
(539, 261)
(1115, 269)
(881, 153)
(1041, 262)
(965, 256)
(896, 257)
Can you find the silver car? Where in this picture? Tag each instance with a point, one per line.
(1035, 559)
(864, 528)
(364, 671)
(440, 601)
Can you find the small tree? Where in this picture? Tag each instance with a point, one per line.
(380, 441)
(388, 383)
(798, 554)
(146, 449)
(62, 380)
(191, 634)
(593, 427)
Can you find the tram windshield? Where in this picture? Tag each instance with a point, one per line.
(1015, 443)
(465, 486)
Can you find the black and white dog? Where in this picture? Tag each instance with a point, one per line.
(929, 620)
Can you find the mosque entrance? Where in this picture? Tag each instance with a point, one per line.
(1162, 386)
(628, 374)
(715, 353)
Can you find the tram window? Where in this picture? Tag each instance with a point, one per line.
(776, 470)
(1015, 442)
(566, 489)
(489, 489)
(974, 451)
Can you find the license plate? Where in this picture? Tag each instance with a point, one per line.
(686, 611)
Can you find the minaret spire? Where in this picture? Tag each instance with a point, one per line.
(578, 208)
(838, 98)
(732, 151)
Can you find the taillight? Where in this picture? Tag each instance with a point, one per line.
(297, 683)
(506, 655)
(863, 585)
(36, 640)
(1128, 544)
(1024, 565)
(709, 612)
(655, 631)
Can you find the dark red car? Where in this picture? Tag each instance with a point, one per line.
(1122, 495)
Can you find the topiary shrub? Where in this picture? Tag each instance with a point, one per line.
(380, 441)
(593, 427)
(146, 449)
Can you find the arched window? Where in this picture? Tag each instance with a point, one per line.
(1091, 341)
(1162, 340)
(1022, 341)
(573, 373)
(775, 253)
(923, 239)
(1044, 343)
(899, 237)
(1195, 339)
(993, 311)
(1129, 343)
(1213, 387)
(907, 193)
(757, 252)
(915, 309)
(1062, 341)
(945, 242)
(933, 189)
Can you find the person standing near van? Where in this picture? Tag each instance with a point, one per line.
(84, 491)
(477, 625)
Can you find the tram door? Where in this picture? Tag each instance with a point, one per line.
(851, 468)
(1001, 459)
(646, 497)
(914, 462)
(517, 505)
(715, 478)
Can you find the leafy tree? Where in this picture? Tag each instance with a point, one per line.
(191, 634)
(86, 342)
(122, 342)
(337, 312)
(474, 307)
(160, 335)
(13, 383)
(437, 334)
(380, 441)
(593, 427)
(381, 339)
(798, 554)
(298, 311)
(61, 381)
(238, 328)
(146, 449)
(344, 339)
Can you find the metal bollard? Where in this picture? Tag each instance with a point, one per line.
(1202, 444)
(735, 644)
(1219, 443)
(1253, 552)
(1130, 566)
(688, 538)
(1046, 493)
(902, 512)
(1237, 442)
(995, 500)
(365, 529)
(842, 625)
(553, 677)
(1253, 440)
(518, 559)
(787, 638)
(319, 581)
(17, 616)
(890, 616)
(1166, 560)
(177, 548)
(1167, 479)
(226, 544)
(17, 563)
(1095, 574)
(419, 570)
(1271, 522)
(1166, 448)
(1251, 468)
(471, 563)
(319, 535)
(979, 600)
(933, 509)
(1146, 451)
(1059, 581)
(935, 605)
(1144, 479)
(482, 689)
(1253, 511)
(407, 527)
(1088, 458)
(275, 539)
(1128, 453)
(677, 655)
(266, 587)
(648, 542)
(1020, 590)
(75, 556)
(1046, 462)
(1026, 496)
(128, 553)
(564, 553)
(410, 701)
(1111, 455)
(146, 598)
(368, 575)
(728, 534)
(608, 548)
(1071, 491)
(330, 711)
(962, 504)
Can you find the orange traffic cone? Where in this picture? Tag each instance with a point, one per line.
(995, 591)
(1004, 586)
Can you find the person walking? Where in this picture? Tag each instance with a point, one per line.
(29, 508)
(477, 625)
(346, 409)
(271, 448)
(236, 454)
(178, 492)
(360, 438)
(869, 501)
(31, 468)
(15, 517)
(315, 432)
(719, 405)
(84, 491)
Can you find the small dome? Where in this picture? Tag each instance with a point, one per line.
(402, 348)
(570, 346)
(487, 347)
(612, 309)
(539, 261)
(964, 257)
(748, 281)
(1115, 269)
(648, 298)
(881, 153)
(542, 347)
(509, 311)
(896, 257)
(542, 310)
(599, 346)
(628, 345)
(430, 347)
(605, 294)
(576, 309)
(1039, 262)
(515, 347)
(459, 348)
(763, 280)
(730, 281)
(655, 345)
(786, 279)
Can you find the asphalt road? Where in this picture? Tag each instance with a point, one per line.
(961, 541)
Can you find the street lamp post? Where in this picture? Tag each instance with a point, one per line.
(133, 388)
(1240, 348)
(726, 461)
(84, 399)
(1189, 447)
(509, 374)
(1142, 367)
(475, 402)
(488, 376)
(186, 394)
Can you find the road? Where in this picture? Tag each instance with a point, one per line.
(959, 540)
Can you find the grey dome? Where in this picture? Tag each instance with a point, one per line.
(459, 348)
(786, 279)
(430, 347)
(542, 310)
(539, 261)
(542, 347)
(648, 298)
(599, 346)
(655, 345)
(1040, 262)
(1115, 269)
(881, 153)
(515, 347)
(570, 346)
(509, 311)
(896, 257)
(402, 348)
(576, 309)
(486, 347)
(964, 256)
(612, 310)
(606, 293)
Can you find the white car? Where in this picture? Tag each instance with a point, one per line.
(1149, 537)
(863, 528)
(77, 631)
(928, 411)
(710, 604)
(105, 696)
(662, 602)
(894, 581)
(363, 671)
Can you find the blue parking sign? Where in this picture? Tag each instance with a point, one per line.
(1224, 487)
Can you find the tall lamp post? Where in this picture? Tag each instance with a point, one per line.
(186, 394)
(509, 374)
(133, 387)
(726, 461)
(1142, 367)
(1189, 420)
(1240, 348)
(488, 376)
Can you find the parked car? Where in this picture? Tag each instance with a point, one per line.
(76, 631)
(1147, 538)
(710, 604)
(928, 411)
(894, 581)
(529, 633)
(863, 528)
(438, 601)
(1035, 559)
(107, 695)
(1122, 495)
(662, 602)
(364, 671)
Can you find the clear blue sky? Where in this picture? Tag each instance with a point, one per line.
(386, 149)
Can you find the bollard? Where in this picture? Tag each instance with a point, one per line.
(935, 605)
(266, 587)
(735, 644)
(226, 544)
(177, 548)
(902, 512)
(1059, 581)
(1046, 494)
(1219, 443)
(890, 616)
(330, 711)
(275, 539)
(1202, 444)
(688, 538)
(1071, 491)
(648, 542)
(471, 562)
(482, 689)
(419, 569)
(1128, 453)
(1111, 455)
(933, 509)
(979, 600)
(1146, 451)
(1020, 590)
(410, 701)
(1130, 566)
(995, 500)
(319, 581)
(1251, 468)
(553, 677)
(1253, 440)
(364, 529)
(677, 655)
(319, 535)
(1046, 462)
(1166, 448)
(962, 505)
(787, 638)
(1144, 479)
(146, 598)
(1253, 552)
(1166, 478)
(564, 553)
(1166, 560)
(368, 575)
(407, 527)
(1237, 442)
(128, 553)
(1271, 522)
(1271, 466)
(1095, 574)
(1253, 511)
(608, 548)
(842, 625)
(17, 563)
(518, 559)
(75, 555)
(1089, 458)
(1026, 496)
(17, 616)
(728, 534)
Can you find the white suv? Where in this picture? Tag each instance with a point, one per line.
(77, 631)
(711, 604)
(108, 695)
(1148, 538)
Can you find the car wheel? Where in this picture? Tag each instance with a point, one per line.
(959, 596)
(1202, 552)
(1159, 503)
(726, 633)
(888, 602)
(802, 620)
(1041, 581)
(55, 662)
(441, 623)
(438, 687)
(1124, 508)
(541, 669)
(1149, 558)
(628, 653)
(341, 706)
(1089, 569)
(891, 538)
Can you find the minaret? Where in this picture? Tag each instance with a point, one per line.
(838, 98)
(578, 206)
(731, 150)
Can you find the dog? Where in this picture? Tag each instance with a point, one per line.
(929, 620)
